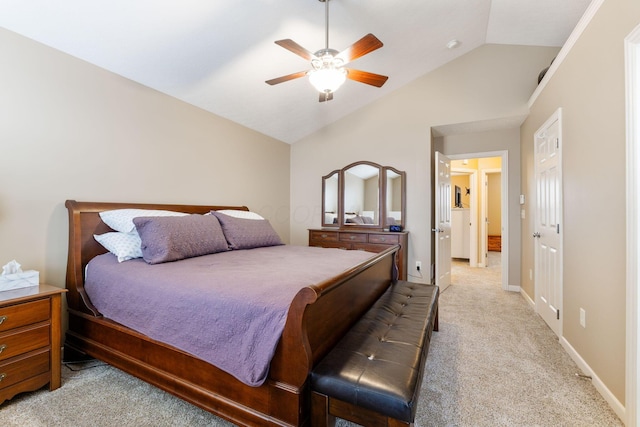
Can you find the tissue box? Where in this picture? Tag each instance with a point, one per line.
(19, 280)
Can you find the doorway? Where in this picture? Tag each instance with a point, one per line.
(477, 172)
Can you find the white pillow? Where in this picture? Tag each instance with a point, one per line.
(125, 246)
(122, 219)
(240, 214)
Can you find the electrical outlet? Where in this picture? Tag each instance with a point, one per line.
(583, 318)
(418, 265)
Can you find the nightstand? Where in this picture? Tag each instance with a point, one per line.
(29, 339)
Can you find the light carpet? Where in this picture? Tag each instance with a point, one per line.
(494, 362)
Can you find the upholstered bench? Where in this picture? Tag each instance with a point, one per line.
(373, 375)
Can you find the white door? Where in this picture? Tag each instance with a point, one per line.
(548, 228)
(442, 230)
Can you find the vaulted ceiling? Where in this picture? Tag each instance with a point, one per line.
(218, 54)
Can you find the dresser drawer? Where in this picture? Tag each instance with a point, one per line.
(22, 340)
(17, 315)
(386, 239)
(22, 368)
(324, 236)
(353, 237)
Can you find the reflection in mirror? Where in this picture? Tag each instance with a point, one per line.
(330, 199)
(393, 201)
(361, 195)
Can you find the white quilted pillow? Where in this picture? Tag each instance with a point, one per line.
(240, 214)
(122, 219)
(125, 246)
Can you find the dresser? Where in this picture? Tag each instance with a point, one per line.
(361, 239)
(30, 335)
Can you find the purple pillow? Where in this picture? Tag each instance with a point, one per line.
(244, 233)
(173, 238)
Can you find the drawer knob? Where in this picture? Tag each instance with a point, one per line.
(352, 237)
(2, 319)
(2, 376)
(2, 347)
(324, 236)
(383, 239)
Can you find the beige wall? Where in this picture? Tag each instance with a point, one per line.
(490, 82)
(70, 130)
(589, 87)
(494, 205)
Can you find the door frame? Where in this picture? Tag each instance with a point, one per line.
(632, 82)
(484, 196)
(504, 201)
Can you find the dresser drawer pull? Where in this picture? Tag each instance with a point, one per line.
(383, 239)
(2, 348)
(324, 236)
(352, 237)
(2, 319)
(2, 376)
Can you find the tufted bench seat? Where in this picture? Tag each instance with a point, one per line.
(373, 375)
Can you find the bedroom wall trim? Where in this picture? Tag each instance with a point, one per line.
(632, 93)
(566, 48)
(615, 404)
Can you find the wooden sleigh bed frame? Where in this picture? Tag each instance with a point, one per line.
(318, 317)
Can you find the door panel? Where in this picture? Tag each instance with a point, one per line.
(547, 234)
(442, 230)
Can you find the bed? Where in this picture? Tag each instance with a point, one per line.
(318, 316)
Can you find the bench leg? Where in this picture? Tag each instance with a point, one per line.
(320, 416)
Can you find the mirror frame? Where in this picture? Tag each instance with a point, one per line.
(338, 198)
(383, 222)
(381, 195)
(403, 192)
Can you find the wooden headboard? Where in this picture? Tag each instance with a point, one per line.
(84, 222)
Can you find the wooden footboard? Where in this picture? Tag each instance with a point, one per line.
(318, 317)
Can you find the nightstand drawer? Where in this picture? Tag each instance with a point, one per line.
(14, 316)
(24, 367)
(324, 236)
(22, 340)
(387, 239)
(353, 237)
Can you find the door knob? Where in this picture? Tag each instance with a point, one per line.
(536, 234)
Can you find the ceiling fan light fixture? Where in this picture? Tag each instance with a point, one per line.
(327, 79)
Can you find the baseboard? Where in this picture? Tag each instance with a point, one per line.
(615, 404)
(513, 288)
(528, 299)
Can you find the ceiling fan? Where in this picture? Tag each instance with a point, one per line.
(327, 71)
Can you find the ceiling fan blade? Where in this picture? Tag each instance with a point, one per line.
(286, 78)
(325, 96)
(365, 45)
(294, 47)
(368, 78)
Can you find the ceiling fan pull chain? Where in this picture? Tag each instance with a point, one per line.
(326, 24)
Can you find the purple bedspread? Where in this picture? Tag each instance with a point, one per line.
(228, 309)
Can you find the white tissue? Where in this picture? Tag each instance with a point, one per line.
(13, 277)
(11, 267)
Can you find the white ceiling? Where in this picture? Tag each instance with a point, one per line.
(217, 54)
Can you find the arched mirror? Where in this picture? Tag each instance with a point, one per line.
(361, 194)
(330, 198)
(364, 194)
(395, 200)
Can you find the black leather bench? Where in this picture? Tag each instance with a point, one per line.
(373, 375)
